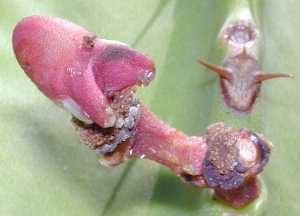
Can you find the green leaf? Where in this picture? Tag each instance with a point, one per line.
(46, 170)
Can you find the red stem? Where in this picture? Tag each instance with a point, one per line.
(158, 141)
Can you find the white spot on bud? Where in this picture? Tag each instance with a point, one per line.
(146, 77)
(130, 152)
(71, 106)
(114, 42)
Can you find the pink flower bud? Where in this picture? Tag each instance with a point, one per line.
(75, 68)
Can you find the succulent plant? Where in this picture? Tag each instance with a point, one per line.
(43, 167)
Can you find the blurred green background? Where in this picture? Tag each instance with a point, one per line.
(46, 170)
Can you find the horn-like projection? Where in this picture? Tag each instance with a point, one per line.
(263, 77)
(223, 72)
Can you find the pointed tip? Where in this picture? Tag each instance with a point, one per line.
(263, 77)
(290, 76)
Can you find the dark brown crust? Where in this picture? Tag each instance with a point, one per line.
(107, 141)
(89, 41)
(233, 179)
(93, 135)
(223, 167)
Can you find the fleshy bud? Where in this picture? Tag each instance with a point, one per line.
(76, 69)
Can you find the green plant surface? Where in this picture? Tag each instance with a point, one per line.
(46, 170)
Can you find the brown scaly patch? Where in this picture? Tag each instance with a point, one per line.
(111, 143)
(233, 156)
(233, 160)
(93, 135)
(89, 41)
(222, 149)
